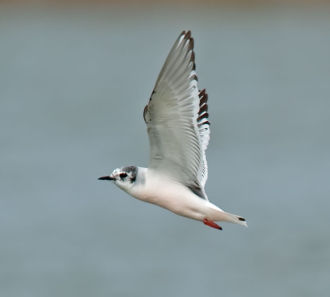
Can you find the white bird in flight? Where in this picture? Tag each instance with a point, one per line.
(179, 133)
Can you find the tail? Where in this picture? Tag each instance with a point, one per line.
(235, 219)
(217, 214)
(231, 218)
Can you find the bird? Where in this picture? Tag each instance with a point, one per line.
(178, 127)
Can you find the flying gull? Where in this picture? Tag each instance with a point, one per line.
(179, 132)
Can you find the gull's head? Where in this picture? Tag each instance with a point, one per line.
(124, 177)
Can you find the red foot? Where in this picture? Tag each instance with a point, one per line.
(211, 224)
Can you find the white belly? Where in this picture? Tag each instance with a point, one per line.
(166, 193)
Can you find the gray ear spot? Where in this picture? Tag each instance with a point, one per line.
(131, 172)
(123, 175)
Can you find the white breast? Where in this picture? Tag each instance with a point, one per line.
(161, 190)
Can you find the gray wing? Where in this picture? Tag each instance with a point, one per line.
(177, 119)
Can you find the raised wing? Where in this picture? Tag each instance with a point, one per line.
(177, 119)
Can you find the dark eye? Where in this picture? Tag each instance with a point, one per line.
(123, 175)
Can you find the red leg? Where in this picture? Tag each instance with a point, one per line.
(211, 224)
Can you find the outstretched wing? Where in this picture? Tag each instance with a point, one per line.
(177, 119)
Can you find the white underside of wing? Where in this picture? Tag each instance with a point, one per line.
(176, 118)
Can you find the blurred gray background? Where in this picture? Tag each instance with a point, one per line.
(73, 83)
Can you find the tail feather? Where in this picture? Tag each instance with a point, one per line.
(242, 221)
(217, 214)
(232, 218)
(237, 219)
